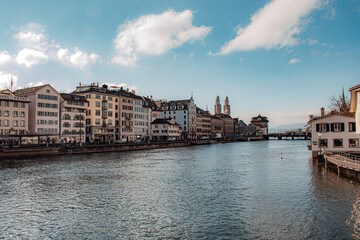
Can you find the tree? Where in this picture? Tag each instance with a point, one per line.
(340, 103)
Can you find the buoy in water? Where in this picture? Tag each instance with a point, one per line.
(281, 156)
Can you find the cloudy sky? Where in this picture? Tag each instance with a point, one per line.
(280, 58)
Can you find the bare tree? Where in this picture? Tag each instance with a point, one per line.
(340, 103)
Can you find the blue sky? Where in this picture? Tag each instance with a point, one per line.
(281, 58)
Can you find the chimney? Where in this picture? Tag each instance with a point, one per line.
(127, 90)
(322, 112)
(80, 84)
(311, 117)
(151, 97)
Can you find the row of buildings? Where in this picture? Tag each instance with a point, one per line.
(337, 130)
(93, 113)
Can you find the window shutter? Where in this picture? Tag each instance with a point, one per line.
(332, 127)
(317, 127)
(342, 127)
(328, 127)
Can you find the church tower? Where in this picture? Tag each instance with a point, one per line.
(217, 106)
(227, 106)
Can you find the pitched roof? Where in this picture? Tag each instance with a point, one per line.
(354, 88)
(333, 113)
(73, 97)
(163, 121)
(30, 90)
(151, 104)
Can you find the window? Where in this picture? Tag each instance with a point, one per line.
(353, 143)
(6, 123)
(315, 143)
(97, 121)
(97, 96)
(6, 113)
(323, 142)
(322, 127)
(15, 113)
(88, 96)
(338, 143)
(47, 97)
(97, 104)
(97, 112)
(15, 123)
(16, 104)
(352, 127)
(47, 91)
(22, 114)
(22, 123)
(337, 127)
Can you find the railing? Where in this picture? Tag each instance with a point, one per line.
(345, 156)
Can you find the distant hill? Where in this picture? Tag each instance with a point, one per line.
(293, 126)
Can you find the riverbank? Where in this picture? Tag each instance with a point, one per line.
(38, 151)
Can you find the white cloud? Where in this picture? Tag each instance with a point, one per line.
(31, 57)
(35, 84)
(33, 36)
(37, 48)
(4, 58)
(276, 25)
(155, 35)
(294, 61)
(5, 80)
(78, 58)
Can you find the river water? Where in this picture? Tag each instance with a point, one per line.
(237, 190)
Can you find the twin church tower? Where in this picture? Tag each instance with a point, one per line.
(217, 106)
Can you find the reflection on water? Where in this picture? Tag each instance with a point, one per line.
(225, 191)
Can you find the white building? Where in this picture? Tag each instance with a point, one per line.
(165, 130)
(355, 105)
(73, 117)
(184, 113)
(334, 132)
(43, 110)
(141, 119)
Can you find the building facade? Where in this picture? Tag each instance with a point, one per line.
(184, 113)
(73, 118)
(44, 110)
(141, 118)
(203, 123)
(14, 114)
(165, 130)
(261, 124)
(334, 132)
(100, 114)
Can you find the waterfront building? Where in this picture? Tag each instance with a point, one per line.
(203, 123)
(355, 105)
(141, 118)
(73, 118)
(126, 114)
(100, 114)
(184, 113)
(44, 108)
(228, 125)
(217, 107)
(154, 111)
(333, 132)
(14, 117)
(261, 124)
(217, 127)
(165, 130)
(227, 106)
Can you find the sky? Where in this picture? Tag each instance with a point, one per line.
(283, 59)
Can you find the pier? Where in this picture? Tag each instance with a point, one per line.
(346, 164)
(290, 135)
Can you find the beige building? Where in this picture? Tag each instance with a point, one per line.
(165, 130)
(217, 127)
(100, 114)
(14, 114)
(203, 123)
(126, 114)
(228, 125)
(43, 110)
(73, 115)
